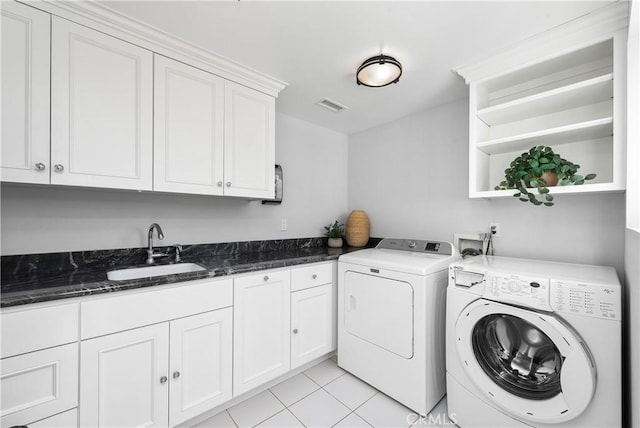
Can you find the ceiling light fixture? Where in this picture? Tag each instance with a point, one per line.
(378, 71)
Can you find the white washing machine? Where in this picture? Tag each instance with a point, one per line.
(391, 315)
(533, 343)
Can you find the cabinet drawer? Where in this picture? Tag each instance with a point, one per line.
(33, 329)
(37, 385)
(118, 313)
(310, 276)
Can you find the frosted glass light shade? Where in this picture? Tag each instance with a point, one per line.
(378, 71)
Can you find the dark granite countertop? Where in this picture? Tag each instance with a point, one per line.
(45, 277)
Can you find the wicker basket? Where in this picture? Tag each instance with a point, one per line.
(357, 229)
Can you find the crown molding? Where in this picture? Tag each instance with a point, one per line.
(104, 19)
(600, 24)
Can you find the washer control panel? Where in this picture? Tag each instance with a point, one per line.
(593, 300)
(520, 290)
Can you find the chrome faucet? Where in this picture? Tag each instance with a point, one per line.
(150, 254)
(178, 249)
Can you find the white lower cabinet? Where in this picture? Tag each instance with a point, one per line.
(261, 345)
(157, 375)
(200, 364)
(162, 357)
(312, 314)
(124, 378)
(36, 385)
(66, 419)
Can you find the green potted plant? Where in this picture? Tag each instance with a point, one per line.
(540, 168)
(335, 233)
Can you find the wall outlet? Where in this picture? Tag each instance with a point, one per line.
(495, 229)
(283, 224)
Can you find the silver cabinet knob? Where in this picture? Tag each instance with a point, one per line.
(295, 331)
(176, 374)
(228, 184)
(163, 379)
(266, 278)
(58, 167)
(219, 183)
(314, 276)
(40, 166)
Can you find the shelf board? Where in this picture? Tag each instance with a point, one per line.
(555, 190)
(590, 130)
(579, 94)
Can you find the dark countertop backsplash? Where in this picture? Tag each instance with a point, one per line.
(32, 278)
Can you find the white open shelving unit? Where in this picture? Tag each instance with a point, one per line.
(566, 90)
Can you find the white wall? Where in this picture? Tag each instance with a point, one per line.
(38, 219)
(411, 177)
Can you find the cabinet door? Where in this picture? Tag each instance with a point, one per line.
(124, 379)
(201, 347)
(261, 341)
(25, 93)
(188, 129)
(249, 158)
(101, 109)
(312, 324)
(39, 384)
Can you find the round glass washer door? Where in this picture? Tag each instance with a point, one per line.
(527, 363)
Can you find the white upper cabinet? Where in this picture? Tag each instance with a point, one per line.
(249, 167)
(25, 93)
(564, 89)
(211, 136)
(101, 109)
(188, 129)
(81, 107)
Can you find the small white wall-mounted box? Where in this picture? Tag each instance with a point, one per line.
(473, 241)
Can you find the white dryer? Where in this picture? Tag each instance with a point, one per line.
(391, 314)
(533, 343)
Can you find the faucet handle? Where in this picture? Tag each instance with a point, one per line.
(178, 248)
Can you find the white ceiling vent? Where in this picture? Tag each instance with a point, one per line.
(334, 106)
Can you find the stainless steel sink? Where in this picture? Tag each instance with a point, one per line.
(151, 271)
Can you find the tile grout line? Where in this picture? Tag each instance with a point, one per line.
(270, 416)
(231, 417)
(287, 407)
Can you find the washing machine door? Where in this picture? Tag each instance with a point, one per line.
(529, 364)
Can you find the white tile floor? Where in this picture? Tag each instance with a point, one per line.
(324, 396)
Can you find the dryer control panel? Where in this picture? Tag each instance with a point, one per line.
(417, 246)
(520, 290)
(592, 300)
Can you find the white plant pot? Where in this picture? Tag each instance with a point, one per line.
(335, 242)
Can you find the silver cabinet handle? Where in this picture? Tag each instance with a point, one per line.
(266, 278)
(58, 167)
(219, 183)
(163, 379)
(295, 331)
(314, 276)
(176, 374)
(228, 184)
(40, 166)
